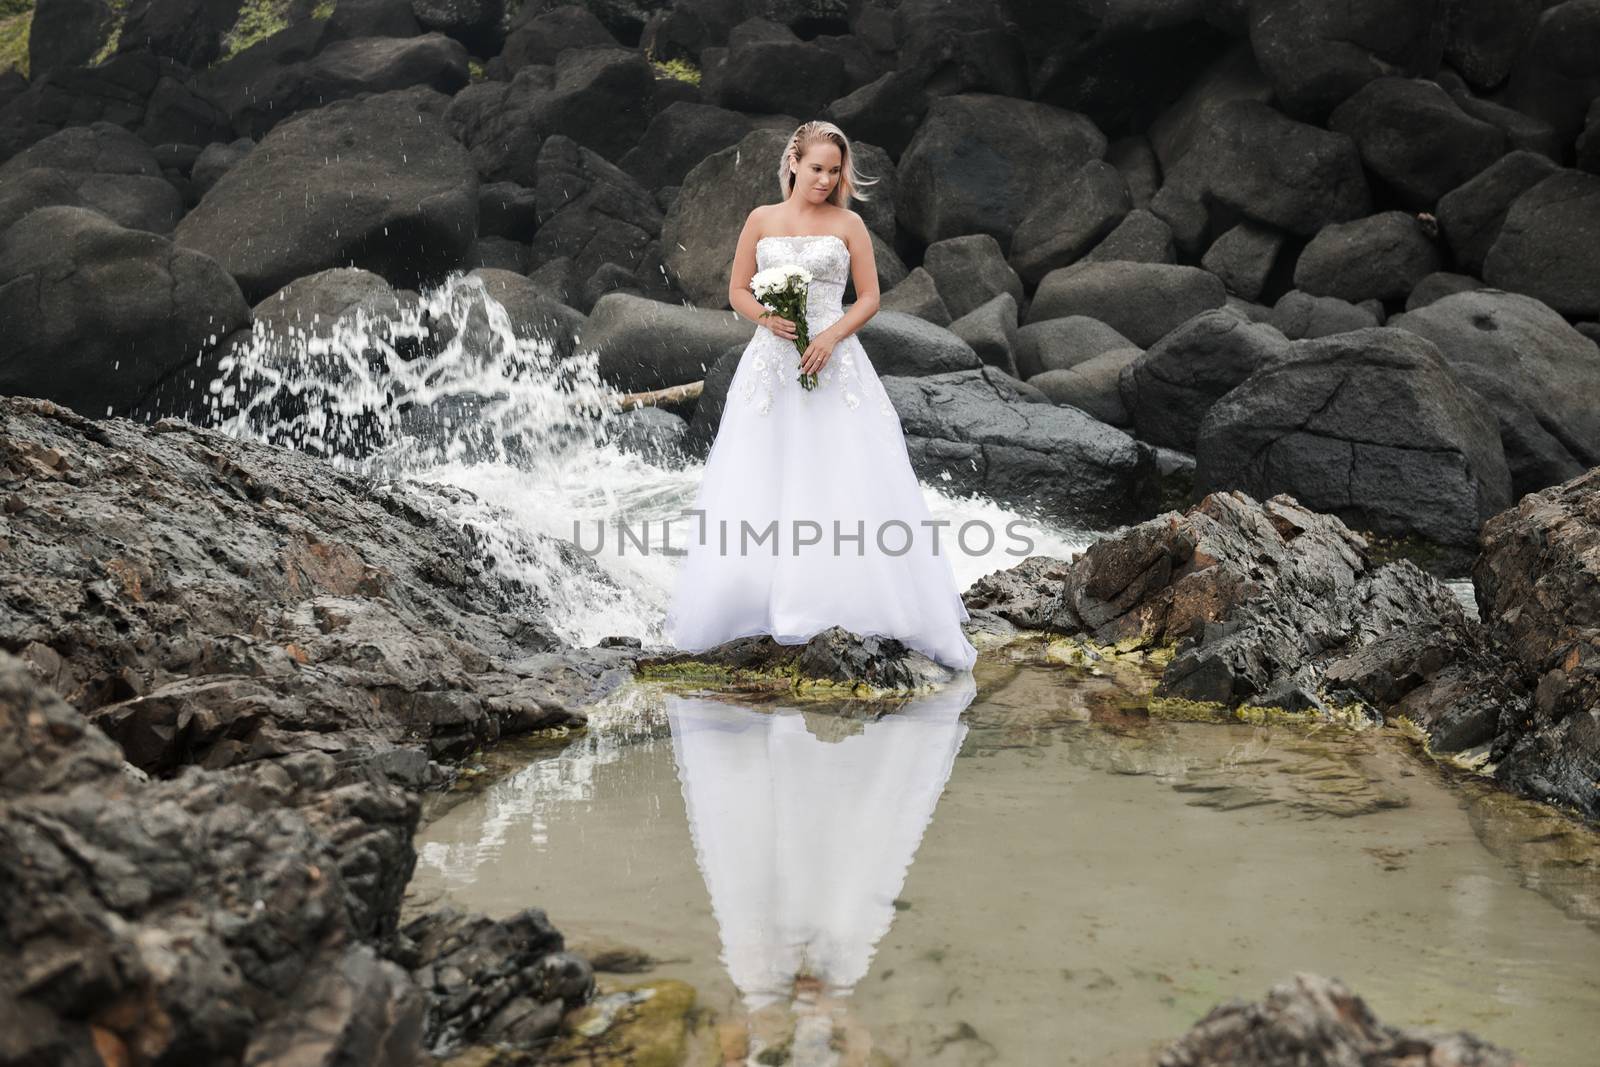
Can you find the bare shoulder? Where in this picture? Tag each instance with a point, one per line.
(856, 227)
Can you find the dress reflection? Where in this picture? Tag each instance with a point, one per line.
(804, 843)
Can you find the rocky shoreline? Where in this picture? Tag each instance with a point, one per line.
(211, 686)
(1277, 284)
(1348, 256)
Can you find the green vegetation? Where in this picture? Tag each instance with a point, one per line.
(679, 69)
(14, 29)
(118, 11)
(258, 20)
(324, 10)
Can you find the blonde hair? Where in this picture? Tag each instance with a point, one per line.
(807, 134)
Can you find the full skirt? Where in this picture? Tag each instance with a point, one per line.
(823, 465)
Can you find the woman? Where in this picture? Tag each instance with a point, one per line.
(808, 514)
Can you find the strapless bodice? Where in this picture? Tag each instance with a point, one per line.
(827, 258)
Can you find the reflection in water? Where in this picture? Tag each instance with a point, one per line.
(804, 842)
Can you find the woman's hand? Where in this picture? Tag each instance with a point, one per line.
(817, 353)
(782, 327)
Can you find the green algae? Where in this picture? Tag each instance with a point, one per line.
(14, 30)
(117, 10)
(258, 20)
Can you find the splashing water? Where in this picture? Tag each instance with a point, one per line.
(444, 391)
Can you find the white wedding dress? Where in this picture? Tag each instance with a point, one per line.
(805, 843)
(834, 456)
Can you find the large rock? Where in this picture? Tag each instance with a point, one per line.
(1381, 257)
(594, 215)
(767, 69)
(1549, 245)
(1470, 217)
(1314, 1020)
(1556, 76)
(599, 97)
(1169, 389)
(678, 138)
(1244, 258)
(1059, 344)
(1301, 316)
(1256, 163)
(376, 183)
(539, 35)
(1371, 426)
(1260, 601)
(1541, 377)
(990, 437)
(1483, 39)
(1140, 237)
(101, 166)
(136, 90)
(1317, 55)
(970, 271)
(1069, 220)
(991, 331)
(95, 315)
(1412, 135)
(1141, 301)
(303, 69)
(152, 893)
(979, 162)
(1535, 581)
(228, 602)
(647, 344)
(1091, 386)
(703, 225)
(1119, 63)
(902, 344)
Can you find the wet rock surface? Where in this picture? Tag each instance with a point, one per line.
(210, 601)
(1536, 580)
(1311, 1019)
(832, 659)
(1269, 605)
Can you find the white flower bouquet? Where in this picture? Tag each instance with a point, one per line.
(782, 289)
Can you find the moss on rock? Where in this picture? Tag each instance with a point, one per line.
(258, 20)
(14, 30)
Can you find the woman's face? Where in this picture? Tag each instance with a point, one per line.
(818, 172)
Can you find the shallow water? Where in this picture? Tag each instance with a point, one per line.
(1018, 871)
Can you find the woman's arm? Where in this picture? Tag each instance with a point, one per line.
(864, 272)
(740, 298)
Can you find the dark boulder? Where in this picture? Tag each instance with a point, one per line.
(101, 166)
(1057, 344)
(376, 183)
(678, 138)
(1535, 581)
(1069, 220)
(970, 271)
(647, 344)
(1140, 237)
(1311, 1019)
(95, 314)
(1141, 301)
(1470, 216)
(1317, 55)
(1549, 244)
(1556, 76)
(1541, 377)
(1301, 316)
(991, 437)
(594, 215)
(1371, 426)
(1381, 257)
(1169, 389)
(979, 161)
(1244, 258)
(991, 331)
(1413, 136)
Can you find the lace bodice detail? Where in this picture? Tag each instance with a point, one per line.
(827, 258)
(774, 363)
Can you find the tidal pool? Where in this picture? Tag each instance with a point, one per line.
(1022, 870)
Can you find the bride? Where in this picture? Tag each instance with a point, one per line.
(808, 514)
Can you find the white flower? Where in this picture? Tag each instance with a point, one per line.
(776, 279)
